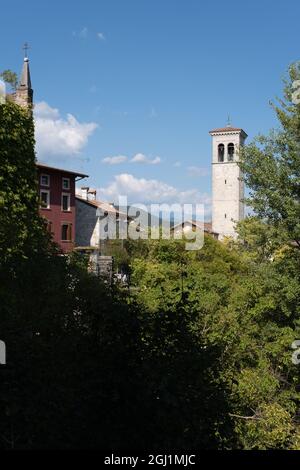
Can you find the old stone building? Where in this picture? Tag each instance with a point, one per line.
(227, 186)
(23, 95)
(92, 218)
(184, 228)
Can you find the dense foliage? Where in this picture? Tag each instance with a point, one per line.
(21, 230)
(249, 313)
(271, 165)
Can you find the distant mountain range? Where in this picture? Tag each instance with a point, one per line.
(156, 221)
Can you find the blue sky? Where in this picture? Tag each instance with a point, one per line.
(149, 78)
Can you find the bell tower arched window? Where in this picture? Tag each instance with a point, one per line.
(221, 152)
(230, 152)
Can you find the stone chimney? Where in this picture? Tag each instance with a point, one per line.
(85, 193)
(93, 194)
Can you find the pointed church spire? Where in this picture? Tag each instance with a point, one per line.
(24, 92)
(25, 81)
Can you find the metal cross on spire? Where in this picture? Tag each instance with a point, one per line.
(228, 121)
(25, 49)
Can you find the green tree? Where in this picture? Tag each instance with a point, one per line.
(21, 229)
(261, 240)
(10, 77)
(247, 309)
(271, 166)
(265, 395)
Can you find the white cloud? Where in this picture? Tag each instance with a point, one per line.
(2, 91)
(58, 136)
(155, 161)
(83, 33)
(141, 158)
(115, 160)
(198, 171)
(101, 36)
(42, 110)
(141, 190)
(177, 164)
(138, 158)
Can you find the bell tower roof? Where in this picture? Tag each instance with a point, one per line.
(228, 130)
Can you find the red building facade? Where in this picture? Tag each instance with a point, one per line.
(57, 196)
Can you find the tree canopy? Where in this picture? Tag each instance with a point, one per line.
(10, 78)
(271, 165)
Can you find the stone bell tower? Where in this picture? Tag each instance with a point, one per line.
(227, 187)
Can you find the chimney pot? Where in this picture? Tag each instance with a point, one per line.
(93, 193)
(85, 193)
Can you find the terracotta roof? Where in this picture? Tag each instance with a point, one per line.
(207, 225)
(75, 173)
(105, 206)
(227, 129)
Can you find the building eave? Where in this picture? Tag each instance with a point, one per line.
(101, 205)
(61, 170)
(228, 131)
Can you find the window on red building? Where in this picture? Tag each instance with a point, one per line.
(65, 202)
(66, 232)
(45, 199)
(66, 183)
(49, 227)
(45, 180)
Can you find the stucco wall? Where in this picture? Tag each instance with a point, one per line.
(89, 226)
(86, 221)
(227, 187)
